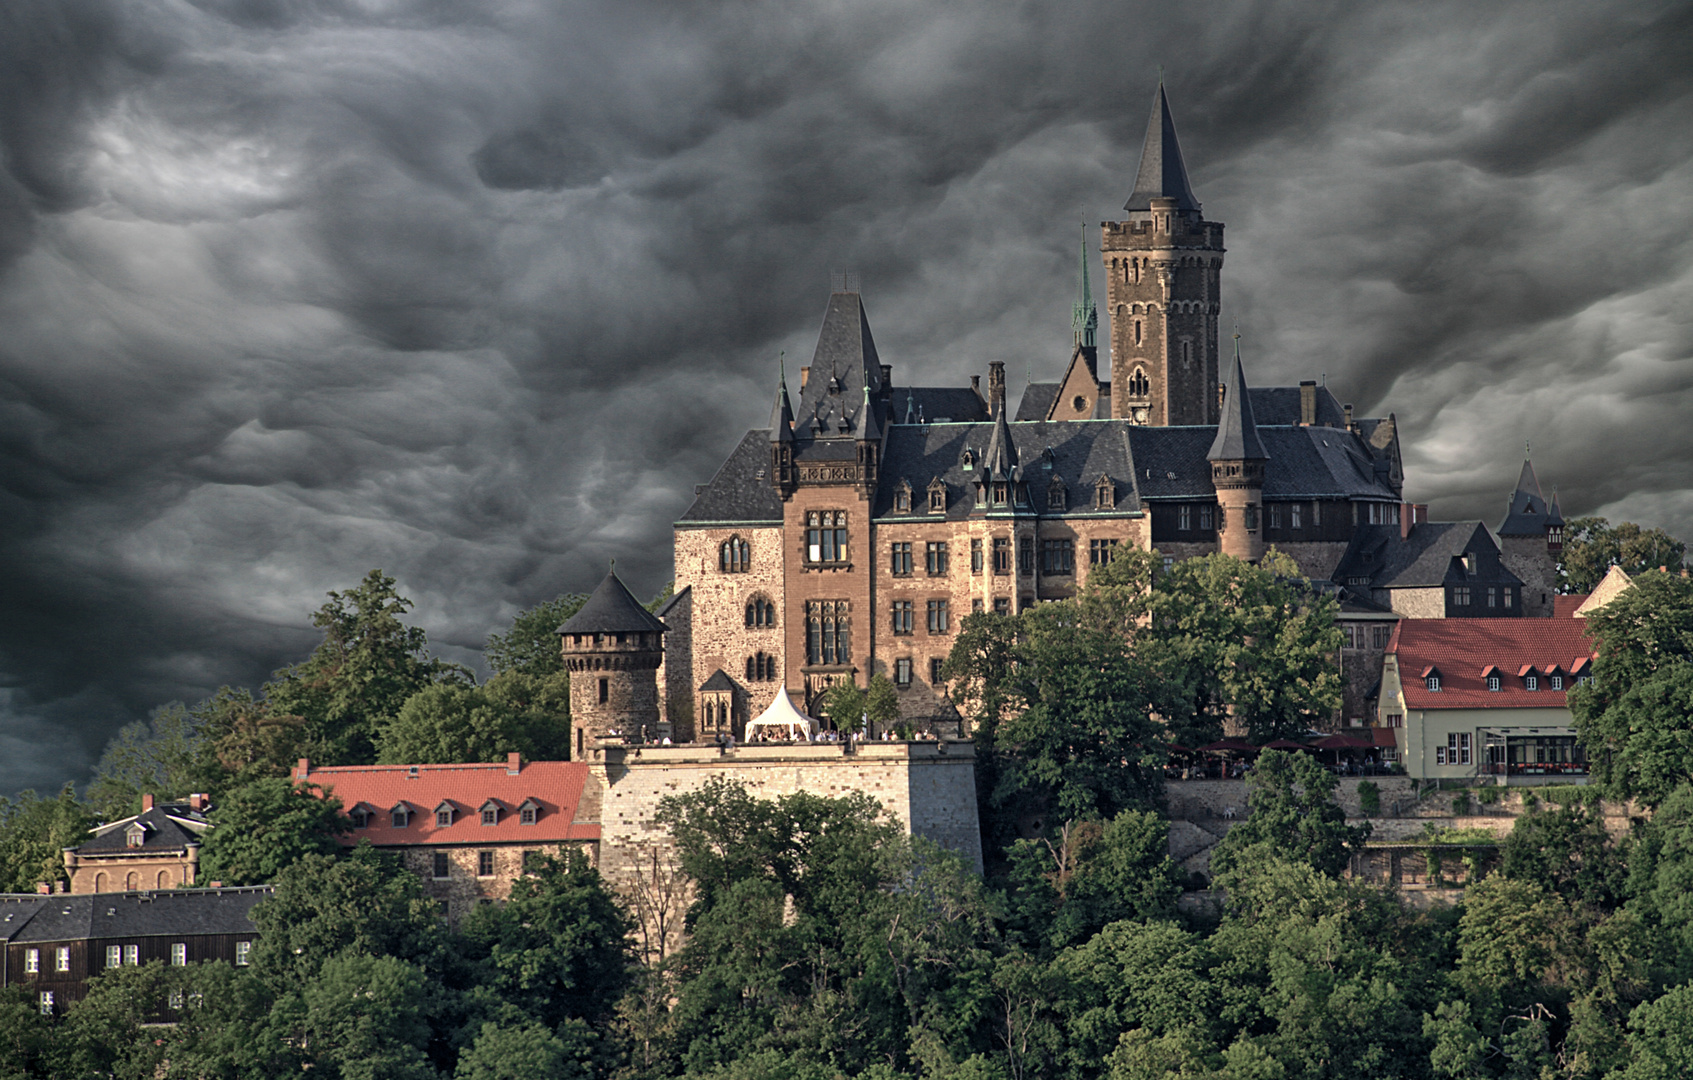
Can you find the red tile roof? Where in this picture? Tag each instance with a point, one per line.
(1465, 651)
(555, 786)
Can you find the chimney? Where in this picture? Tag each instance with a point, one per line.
(1307, 402)
(1410, 516)
(996, 387)
(303, 769)
(215, 884)
(887, 378)
(1348, 417)
(514, 763)
(146, 803)
(199, 801)
(976, 384)
(43, 888)
(804, 376)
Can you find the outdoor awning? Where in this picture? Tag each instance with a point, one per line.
(1285, 744)
(1345, 741)
(781, 715)
(1236, 745)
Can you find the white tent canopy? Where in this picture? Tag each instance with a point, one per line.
(781, 715)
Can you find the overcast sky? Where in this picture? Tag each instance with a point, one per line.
(476, 292)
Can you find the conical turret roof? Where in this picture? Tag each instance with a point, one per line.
(1084, 317)
(1162, 173)
(1237, 431)
(1000, 461)
(782, 413)
(612, 609)
(1528, 514)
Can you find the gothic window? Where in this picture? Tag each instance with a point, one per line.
(1058, 557)
(1100, 551)
(826, 536)
(937, 498)
(935, 558)
(761, 613)
(1104, 494)
(761, 667)
(901, 558)
(828, 636)
(903, 616)
(1139, 385)
(902, 498)
(1002, 555)
(735, 556)
(939, 619)
(1056, 497)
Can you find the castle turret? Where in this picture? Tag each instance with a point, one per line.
(1237, 459)
(1164, 269)
(782, 437)
(1531, 539)
(612, 648)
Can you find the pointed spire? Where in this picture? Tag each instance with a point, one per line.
(910, 407)
(1237, 431)
(782, 414)
(869, 430)
(1527, 513)
(1554, 514)
(1084, 317)
(1001, 459)
(1162, 173)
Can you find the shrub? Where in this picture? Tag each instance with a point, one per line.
(1461, 804)
(1369, 797)
(1488, 796)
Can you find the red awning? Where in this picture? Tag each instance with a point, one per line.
(1285, 744)
(1345, 741)
(1239, 745)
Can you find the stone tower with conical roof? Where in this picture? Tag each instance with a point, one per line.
(1237, 460)
(1164, 267)
(612, 648)
(1531, 539)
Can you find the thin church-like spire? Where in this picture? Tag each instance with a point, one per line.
(1084, 316)
(1162, 173)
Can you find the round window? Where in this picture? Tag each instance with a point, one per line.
(1080, 403)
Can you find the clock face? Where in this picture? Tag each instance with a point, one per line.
(1140, 416)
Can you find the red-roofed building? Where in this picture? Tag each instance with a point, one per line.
(1486, 697)
(466, 830)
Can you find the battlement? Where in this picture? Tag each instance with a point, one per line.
(1139, 235)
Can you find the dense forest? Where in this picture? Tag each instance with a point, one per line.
(824, 942)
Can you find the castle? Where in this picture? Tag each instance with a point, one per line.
(851, 535)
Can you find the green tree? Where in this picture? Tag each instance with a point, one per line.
(1567, 851)
(1593, 545)
(522, 1051)
(107, 1032)
(847, 705)
(531, 646)
(369, 664)
(242, 739)
(451, 723)
(156, 756)
(25, 1035)
(1660, 879)
(1292, 815)
(266, 826)
(33, 832)
(1635, 719)
(1660, 1039)
(979, 670)
(360, 1017)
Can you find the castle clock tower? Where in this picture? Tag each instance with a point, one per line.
(1164, 264)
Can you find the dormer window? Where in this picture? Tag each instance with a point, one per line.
(969, 460)
(400, 816)
(1022, 494)
(1056, 497)
(1431, 679)
(902, 498)
(1000, 491)
(444, 815)
(937, 497)
(491, 812)
(529, 812)
(1493, 683)
(1531, 682)
(135, 835)
(1104, 494)
(361, 815)
(1556, 682)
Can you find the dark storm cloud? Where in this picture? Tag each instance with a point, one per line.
(476, 293)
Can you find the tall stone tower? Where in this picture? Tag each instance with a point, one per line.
(1164, 266)
(612, 648)
(1531, 540)
(1237, 459)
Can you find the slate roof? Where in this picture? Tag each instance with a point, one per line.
(941, 404)
(1081, 451)
(1237, 432)
(671, 604)
(144, 913)
(610, 609)
(741, 490)
(170, 827)
(1462, 651)
(555, 785)
(1280, 405)
(1430, 557)
(1037, 401)
(1162, 173)
(845, 357)
(1528, 513)
(718, 682)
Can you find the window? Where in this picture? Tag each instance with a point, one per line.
(1001, 492)
(45, 1002)
(1395, 720)
(935, 666)
(1557, 681)
(490, 815)
(1057, 498)
(136, 835)
(1025, 556)
(1058, 556)
(901, 559)
(1100, 551)
(527, 814)
(114, 956)
(828, 629)
(761, 667)
(1250, 516)
(903, 616)
(179, 954)
(243, 953)
(1455, 752)
(976, 606)
(975, 556)
(1460, 595)
(1139, 386)
(1275, 515)
(400, 816)
(1506, 596)
(62, 959)
(1492, 597)
(1001, 606)
(1433, 683)
(935, 558)
(1104, 494)
(826, 536)
(1295, 511)
(1002, 555)
(361, 817)
(1380, 635)
(484, 864)
(605, 690)
(939, 621)
(735, 556)
(902, 499)
(32, 961)
(1205, 518)
(1531, 682)
(1493, 683)
(937, 498)
(132, 955)
(761, 613)
(441, 868)
(175, 999)
(443, 816)
(1184, 518)
(902, 672)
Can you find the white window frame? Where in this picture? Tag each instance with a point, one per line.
(32, 961)
(132, 955)
(44, 1002)
(114, 956)
(179, 954)
(243, 953)
(62, 958)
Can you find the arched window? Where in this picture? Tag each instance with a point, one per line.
(1139, 385)
(735, 556)
(761, 667)
(761, 613)
(937, 496)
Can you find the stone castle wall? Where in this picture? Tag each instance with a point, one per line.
(718, 634)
